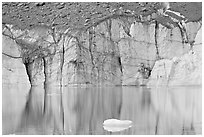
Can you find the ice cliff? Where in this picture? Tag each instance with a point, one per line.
(119, 50)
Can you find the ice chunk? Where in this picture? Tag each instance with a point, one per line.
(115, 125)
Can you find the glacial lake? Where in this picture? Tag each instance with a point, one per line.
(82, 110)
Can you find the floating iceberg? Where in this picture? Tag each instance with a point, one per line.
(115, 125)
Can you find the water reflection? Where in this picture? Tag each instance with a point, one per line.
(77, 110)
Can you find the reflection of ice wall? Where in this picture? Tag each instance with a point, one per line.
(13, 105)
(77, 110)
(163, 110)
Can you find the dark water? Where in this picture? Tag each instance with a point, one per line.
(55, 110)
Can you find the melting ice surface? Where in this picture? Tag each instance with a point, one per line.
(77, 110)
(115, 125)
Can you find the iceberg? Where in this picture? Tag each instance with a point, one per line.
(115, 125)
